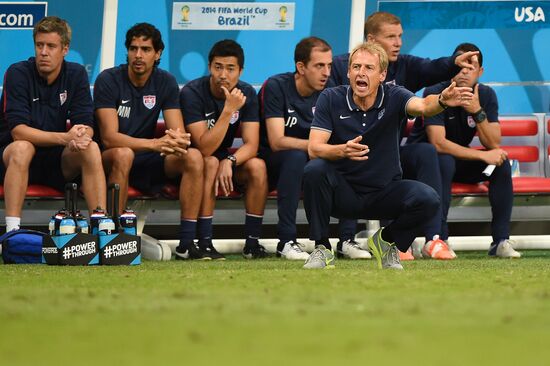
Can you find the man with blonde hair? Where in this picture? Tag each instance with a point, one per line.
(38, 98)
(355, 170)
(418, 161)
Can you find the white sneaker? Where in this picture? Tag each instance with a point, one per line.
(504, 249)
(416, 249)
(293, 251)
(351, 249)
(320, 258)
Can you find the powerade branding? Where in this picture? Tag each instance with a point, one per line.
(117, 250)
(73, 249)
(79, 250)
(21, 15)
(49, 250)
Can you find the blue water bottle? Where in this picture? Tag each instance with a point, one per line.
(128, 221)
(106, 226)
(67, 226)
(96, 216)
(51, 226)
(82, 223)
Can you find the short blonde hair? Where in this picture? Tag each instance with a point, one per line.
(53, 24)
(376, 20)
(373, 49)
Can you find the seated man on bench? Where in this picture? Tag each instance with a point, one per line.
(128, 101)
(452, 131)
(39, 95)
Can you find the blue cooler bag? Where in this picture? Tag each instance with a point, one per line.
(22, 246)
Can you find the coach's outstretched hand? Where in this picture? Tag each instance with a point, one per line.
(455, 96)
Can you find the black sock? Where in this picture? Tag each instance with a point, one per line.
(323, 241)
(387, 236)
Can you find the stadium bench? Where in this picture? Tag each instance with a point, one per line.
(526, 138)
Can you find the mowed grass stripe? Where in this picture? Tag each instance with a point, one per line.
(474, 310)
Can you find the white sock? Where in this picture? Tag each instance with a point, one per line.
(12, 223)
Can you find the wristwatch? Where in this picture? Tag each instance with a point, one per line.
(479, 116)
(440, 101)
(233, 159)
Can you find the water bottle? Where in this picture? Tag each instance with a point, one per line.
(51, 226)
(96, 216)
(106, 226)
(128, 221)
(59, 217)
(81, 223)
(67, 226)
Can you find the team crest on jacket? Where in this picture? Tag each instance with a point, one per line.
(234, 117)
(63, 97)
(149, 101)
(471, 122)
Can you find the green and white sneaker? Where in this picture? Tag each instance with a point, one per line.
(385, 253)
(320, 258)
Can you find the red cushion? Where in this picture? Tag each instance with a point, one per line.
(171, 191)
(527, 154)
(159, 131)
(134, 193)
(233, 194)
(36, 190)
(531, 185)
(519, 127)
(408, 127)
(463, 188)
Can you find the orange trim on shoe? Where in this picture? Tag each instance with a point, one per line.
(437, 249)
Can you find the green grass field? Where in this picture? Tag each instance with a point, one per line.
(471, 311)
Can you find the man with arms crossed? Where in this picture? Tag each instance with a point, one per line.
(39, 95)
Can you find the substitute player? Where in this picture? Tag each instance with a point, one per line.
(128, 100)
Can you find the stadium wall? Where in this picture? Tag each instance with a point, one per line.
(512, 35)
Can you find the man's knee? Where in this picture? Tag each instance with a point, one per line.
(211, 164)
(427, 198)
(256, 171)
(19, 154)
(294, 160)
(193, 161)
(119, 158)
(316, 169)
(447, 166)
(92, 154)
(504, 169)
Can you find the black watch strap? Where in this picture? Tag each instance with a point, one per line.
(479, 116)
(233, 159)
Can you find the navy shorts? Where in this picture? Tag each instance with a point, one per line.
(45, 168)
(147, 173)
